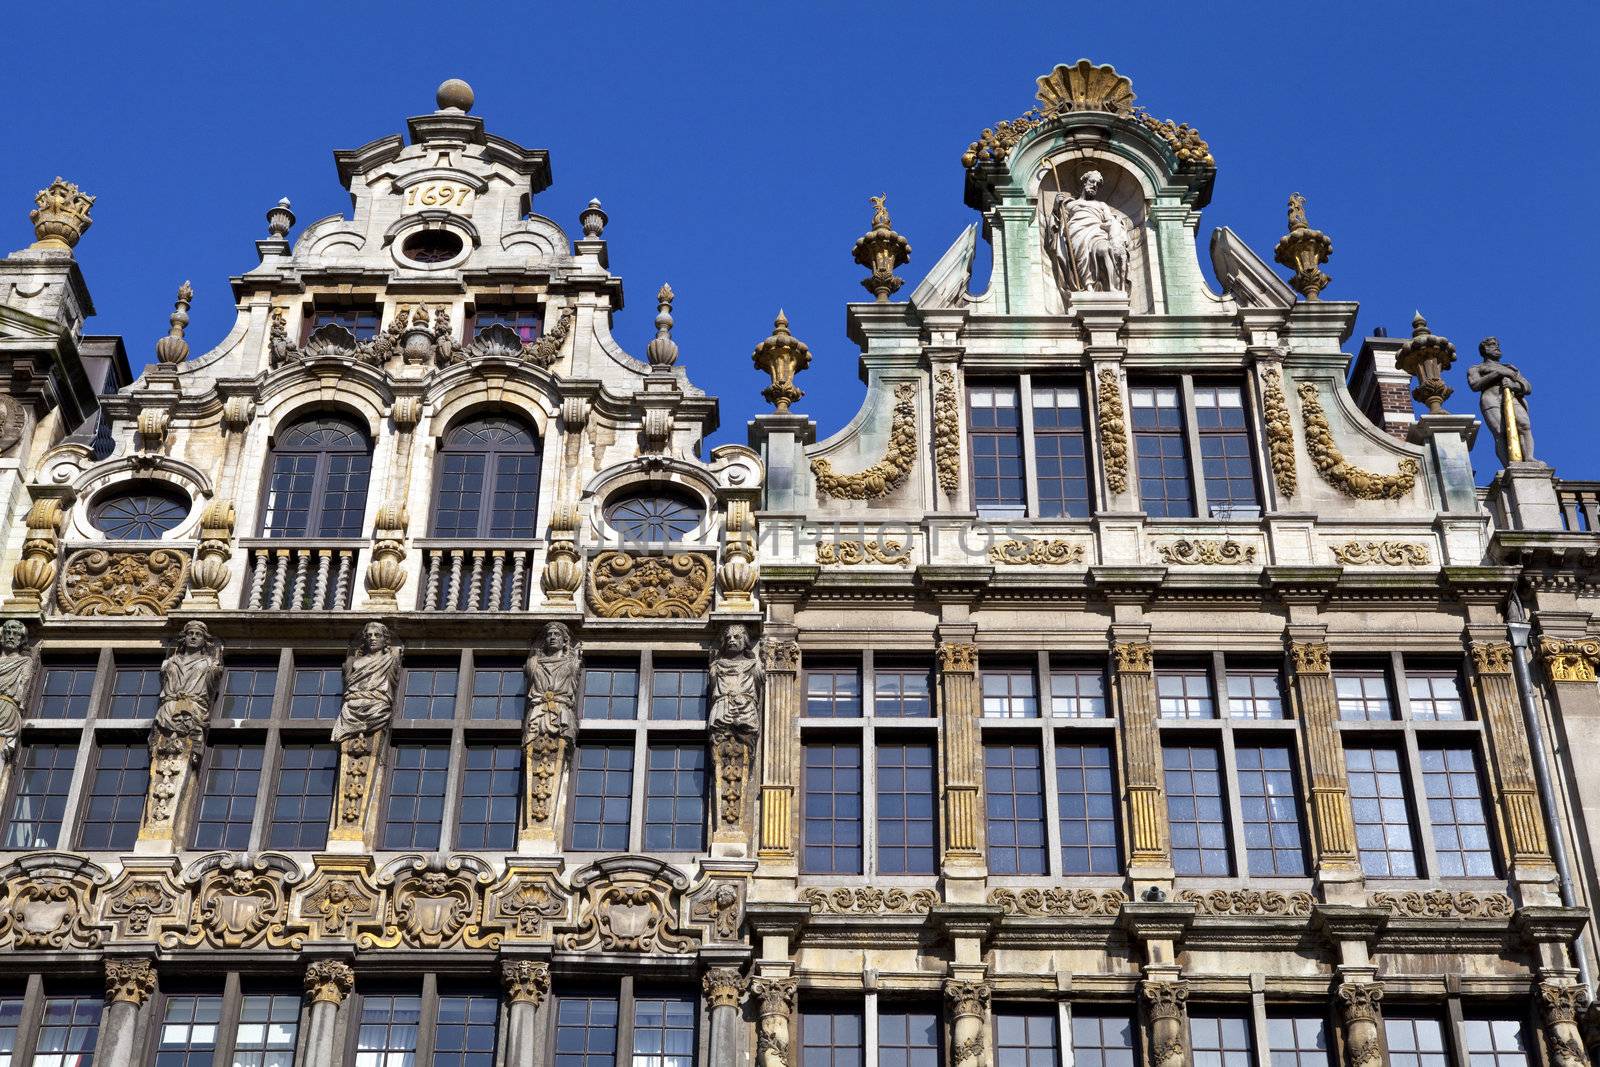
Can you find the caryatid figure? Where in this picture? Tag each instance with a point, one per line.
(735, 717)
(371, 672)
(18, 664)
(553, 671)
(1500, 386)
(189, 678)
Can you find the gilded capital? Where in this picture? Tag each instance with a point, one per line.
(130, 981)
(724, 986)
(1491, 657)
(525, 981)
(958, 658)
(1309, 657)
(1133, 657)
(1570, 660)
(329, 981)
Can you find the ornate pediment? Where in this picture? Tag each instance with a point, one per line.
(338, 897)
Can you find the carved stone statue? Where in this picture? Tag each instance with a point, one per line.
(189, 678)
(18, 664)
(1089, 240)
(553, 670)
(1492, 380)
(371, 672)
(735, 718)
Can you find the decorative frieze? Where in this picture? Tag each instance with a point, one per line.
(628, 904)
(1444, 904)
(947, 432)
(1570, 660)
(869, 900)
(1202, 553)
(626, 585)
(888, 473)
(1280, 432)
(95, 582)
(1339, 472)
(1355, 553)
(1248, 902)
(1049, 553)
(47, 902)
(1057, 901)
(1113, 427)
(431, 904)
(852, 553)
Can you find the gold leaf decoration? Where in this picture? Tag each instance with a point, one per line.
(851, 553)
(1051, 553)
(1339, 472)
(1189, 553)
(1085, 87)
(886, 475)
(1280, 432)
(1113, 431)
(1355, 553)
(624, 585)
(947, 434)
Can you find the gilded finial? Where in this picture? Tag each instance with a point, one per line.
(1426, 357)
(173, 349)
(881, 250)
(782, 356)
(663, 350)
(1303, 250)
(62, 215)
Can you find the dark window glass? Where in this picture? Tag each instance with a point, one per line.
(268, 1026)
(610, 691)
(1078, 693)
(1224, 447)
(1162, 455)
(1382, 813)
(318, 692)
(1184, 694)
(586, 1031)
(388, 1033)
(139, 514)
(831, 1035)
(1219, 1040)
(464, 1032)
(1254, 694)
(499, 690)
(1087, 793)
(1415, 1042)
(907, 841)
(247, 692)
(39, 796)
(663, 1030)
(995, 436)
(526, 323)
(117, 787)
(1298, 1041)
(302, 800)
(189, 1031)
(68, 1032)
(1009, 693)
(902, 691)
(1455, 808)
(361, 322)
(1025, 1037)
(1269, 805)
(415, 812)
(228, 798)
(678, 691)
(488, 818)
(430, 692)
(67, 691)
(488, 480)
(1498, 1042)
(654, 517)
(135, 692)
(675, 798)
(602, 791)
(833, 692)
(1102, 1040)
(1363, 696)
(10, 1026)
(1013, 781)
(1194, 810)
(318, 480)
(1435, 696)
(831, 826)
(908, 1038)
(1060, 451)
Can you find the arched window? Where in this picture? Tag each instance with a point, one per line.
(654, 515)
(318, 482)
(488, 480)
(143, 511)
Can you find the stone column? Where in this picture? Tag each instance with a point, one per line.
(129, 984)
(724, 987)
(1559, 1005)
(963, 759)
(1168, 1020)
(774, 1022)
(1332, 821)
(780, 755)
(969, 1022)
(1149, 847)
(1500, 711)
(527, 984)
(328, 983)
(1358, 1016)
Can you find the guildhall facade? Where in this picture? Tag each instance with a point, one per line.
(1136, 679)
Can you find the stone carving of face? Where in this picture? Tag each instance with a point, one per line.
(736, 640)
(12, 635)
(1090, 184)
(194, 637)
(1489, 348)
(376, 636)
(556, 639)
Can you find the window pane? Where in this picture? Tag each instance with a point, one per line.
(1102, 1040)
(1254, 694)
(489, 794)
(414, 815)
(39, 797)
(1219, 1040)
(318, 692)
(902, 691)
(1454, 790)
(524, 322)
(1013, 779)
(268, 1026)
(831, 825)
(1382, 813)
(611, 691)
(601, 795)
(1415, 1042)
(1435, 696)
(66, 690)
(994, 434)
(117, 788)
(1185, 694)
(678, 691)
(1269, 805)
(189, 1031)
(908, 1038)
(10, 1025)
(228, 797)
(388, 1033)
(1160, 451)
(675, 799)
(586, 1031)
(135, 691)
(430, 692)
(1078, 693)
(1060, 452)
(907, 838)
(464, 1034)
(1195, 811)
(1086, 789)
(247, 692)
(1025, 1037)
(302, 801)
(68, 1032)
(832, 1036)
(1363, 696)
(1224, 447)
(1498, 1042)
(1009, 693)
(1298, 1041)
(833, 692)
(499, 690)
(663, 1031)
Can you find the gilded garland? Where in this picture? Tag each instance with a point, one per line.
(1113, 431)
(1339, 472)
(623, 585)
(98, 582)
(947, 434)
(1355, 553)
(1280, 432)
(1051, 553)
(886, 475)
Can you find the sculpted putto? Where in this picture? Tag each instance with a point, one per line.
(1488, 379)
(553, 670)
(18, 664)
(189, 678)
(1088, 240)
(371, 671)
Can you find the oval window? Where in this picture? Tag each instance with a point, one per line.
(141, 512)
(654, 516)
(432, 246)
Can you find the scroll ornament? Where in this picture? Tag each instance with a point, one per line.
(1355, 553)
(624, 585)
(1113, 431)
(46, 902)
(1248, 902)
(628, 904)
(852, 553)
(238, 903)
(1280, 432)
(870, 900)
(886, 475)
(1339, 472)
(1227, 553)
(97, 582)
(947, 433)
(1058, 901)
(1443, 904)
(1570, 660)
(1051, 553)
(433, 905)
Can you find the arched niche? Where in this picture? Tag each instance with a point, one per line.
(1060, 181)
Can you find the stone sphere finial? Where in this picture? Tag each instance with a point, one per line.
(454, 95)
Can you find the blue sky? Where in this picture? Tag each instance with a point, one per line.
(1448, 150)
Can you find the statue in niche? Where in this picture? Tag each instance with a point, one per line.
(553, 672)
(18, 664)
(1502, 391)
(371, 671)
(189, 678)
(1089, 241)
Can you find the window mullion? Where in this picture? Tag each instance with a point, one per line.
(1230, 772)
(636, 792)
(427, 1024)
(32, 1018)
(1191, 434)
(1030, 470)
(625, 996)
(869, 798)
(455, 773)
(1052, 799)
(228, 1020)
(1419, 803)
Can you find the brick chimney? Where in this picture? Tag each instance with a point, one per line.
(1382, 389)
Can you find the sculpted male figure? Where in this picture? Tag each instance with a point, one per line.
(18, 664)
(1488, 379)
(553, 670)
(371, 671)
(1096, 236)
(735, 716)
(189, 678)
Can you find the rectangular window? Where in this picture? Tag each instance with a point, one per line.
(1269, 805)
(907, 842)
(831, 826)
(1087, 794)
(68, 688)
(1013, 780)
(489, 795)
(135, 692)
(586, 1031)
(1009, 693)
(677, 691)
(908, 1038)
(901, 691)
(228, 798)
(675, 798)
(247, 692)
(117, 788)
(663, 1030)
(610, 691)
(1060, 451)
(302, 801)
(831, 1035)
(601, 796)
(1363, 696)
(414, 815)
(1102, 1040)
(68, 1032)
(268, 1026)
(1415, 1042)
(189, 1031)
(388, 1031)
(1185, 694)
(499, 690)
(463, 1034)
(1454, 790)
(318, 692)
(1162, 454)
(1025, 1037)
(1435, 696)
(1078, 692)
(1382, 813)
(1195, 812)
(1254, 694)
(430, 692)
(833, 692)
(1498, 1043)
(1298, 1041)
(39, 798)
(1219, 1040)
(995, 437)
(10, 1026)
(361, 322)
(1225, 450)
